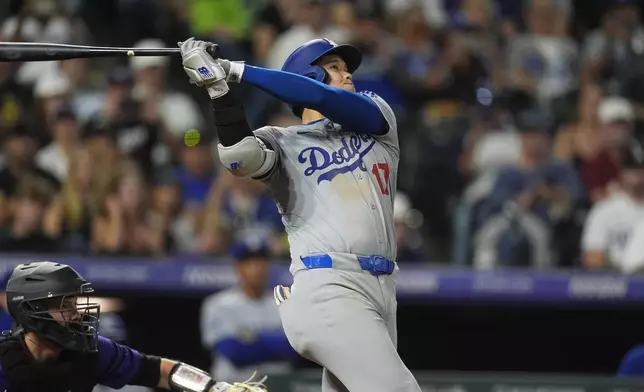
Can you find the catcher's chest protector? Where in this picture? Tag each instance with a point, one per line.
(69, 373)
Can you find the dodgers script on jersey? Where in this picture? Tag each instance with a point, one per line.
(335, 190)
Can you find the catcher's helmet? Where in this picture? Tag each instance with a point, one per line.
(42, 298)
(302, 60)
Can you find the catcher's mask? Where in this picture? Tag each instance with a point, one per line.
(52, 300)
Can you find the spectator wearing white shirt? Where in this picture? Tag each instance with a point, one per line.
(611, 222)
(51, 90)
(65, 133)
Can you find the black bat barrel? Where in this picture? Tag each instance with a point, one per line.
(27, 51)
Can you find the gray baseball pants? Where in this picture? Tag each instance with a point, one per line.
(344, 319)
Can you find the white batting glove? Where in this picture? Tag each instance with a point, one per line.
(246, 386)
(202, 69)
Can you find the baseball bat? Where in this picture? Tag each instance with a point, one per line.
(30, 51)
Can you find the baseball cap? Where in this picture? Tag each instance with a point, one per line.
(65, 112)
(615, 109)
(532, 120)
(98, 127)
(140, 62)
(248, 248)
(120, 75)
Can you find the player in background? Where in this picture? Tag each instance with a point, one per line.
(251, 335)
(610, 223)
(334, 181)
(56, 347)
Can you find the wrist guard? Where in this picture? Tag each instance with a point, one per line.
(186, 378)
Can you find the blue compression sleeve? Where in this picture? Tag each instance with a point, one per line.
(356, 112)
(268, 346)
(633, 363)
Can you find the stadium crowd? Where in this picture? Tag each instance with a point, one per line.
(519, 127)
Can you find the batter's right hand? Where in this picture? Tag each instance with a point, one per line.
(281, 293)
(202, 68)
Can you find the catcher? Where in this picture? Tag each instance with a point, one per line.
(56, 347)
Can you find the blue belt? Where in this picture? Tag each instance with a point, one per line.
(377, 265)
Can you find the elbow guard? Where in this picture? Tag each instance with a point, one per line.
(248, 158)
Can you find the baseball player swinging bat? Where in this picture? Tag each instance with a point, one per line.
(334, 181)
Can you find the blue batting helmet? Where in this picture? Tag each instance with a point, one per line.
(302, 60)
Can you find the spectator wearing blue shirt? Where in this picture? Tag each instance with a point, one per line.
(241, 207)
(251, 335)
(527, 200)
(196, 173)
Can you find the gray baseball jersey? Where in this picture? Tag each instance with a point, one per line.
(335, 190)
(231, 313)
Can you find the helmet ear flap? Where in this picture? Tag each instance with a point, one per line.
(318, 73)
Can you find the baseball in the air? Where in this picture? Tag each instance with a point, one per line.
(130, 53)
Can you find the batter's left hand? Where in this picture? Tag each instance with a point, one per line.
(202, 69)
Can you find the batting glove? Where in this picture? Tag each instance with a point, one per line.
(202, 69)
(246, 386)
(281, 293)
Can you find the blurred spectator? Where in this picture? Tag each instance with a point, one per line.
(27, 209)
(193, 179)
(577, 139)
(544, 60)
(66, 135)
(250, 337)
(601, 169)
(479, 23)
(613, 54)
(19, 148)
(166, 209)
(52, 90)
(100, 139)
(432, 10)
(492, 141)
(313, 21)
(44, 21)
(135, 127)
(87, 99)
(529, 198)
(272, 19)
(121, 222)
(239, 207)
(68, 218)
(436, 72)
(377, 47)
(173, 110)
(16, 101)
(408, 242)
(609, 225)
